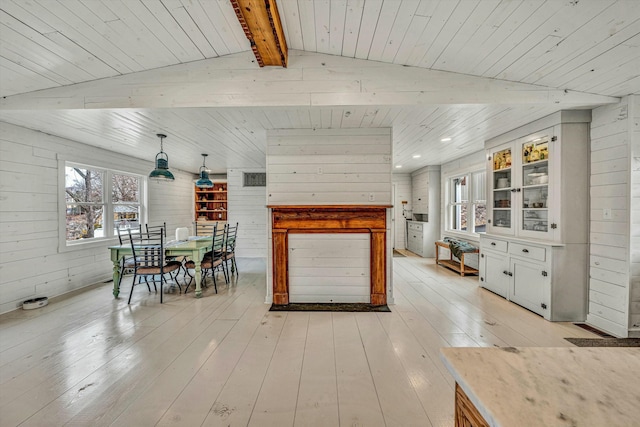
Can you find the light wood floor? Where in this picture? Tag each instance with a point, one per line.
(90, 360)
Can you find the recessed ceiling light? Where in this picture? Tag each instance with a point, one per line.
(445, 139)
(398, 166)
(416, 156)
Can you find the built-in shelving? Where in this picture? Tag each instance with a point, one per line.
(211, 203)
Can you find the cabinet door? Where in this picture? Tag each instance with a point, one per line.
(494, 273)
(530, 285)
(502, 189)
(415, 242)
(535, 208)
(420, 193)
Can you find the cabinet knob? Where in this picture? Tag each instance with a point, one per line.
(505, 272)
(526, 251)
(493, 243)
(510, 274)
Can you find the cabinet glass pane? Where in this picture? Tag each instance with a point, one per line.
(535, 220)
(536, 173)
(535, 150)
(501, 182)
(502, 159)
(535, 185)
(502, 218)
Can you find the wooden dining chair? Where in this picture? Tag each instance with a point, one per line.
(149, 262)
(212, 261)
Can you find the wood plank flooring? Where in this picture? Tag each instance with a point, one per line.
(87, 359)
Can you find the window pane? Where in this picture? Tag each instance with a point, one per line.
(84, 222)
(83, 185)
(480, 224)
(479, 186)
(126, 216)
(126, 188)
(459, 217)
(459, 190)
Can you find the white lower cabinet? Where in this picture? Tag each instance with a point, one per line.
(414, 238)
(548, 279)
(496, 269)
(421, 238)
(529, 286)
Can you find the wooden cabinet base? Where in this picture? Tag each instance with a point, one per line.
(466, 413)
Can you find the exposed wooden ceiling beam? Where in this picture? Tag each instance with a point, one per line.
(261, 24)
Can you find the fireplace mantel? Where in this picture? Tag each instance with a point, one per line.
(370, 219)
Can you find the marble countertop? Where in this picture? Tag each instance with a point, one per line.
(541, 386)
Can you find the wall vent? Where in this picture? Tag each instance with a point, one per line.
(254, 179)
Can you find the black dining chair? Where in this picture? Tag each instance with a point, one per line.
(154, 230)
(127, 264)
(211, 261)
(230, 250)
(149, 262)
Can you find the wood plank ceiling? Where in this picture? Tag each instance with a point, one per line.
(582, 47)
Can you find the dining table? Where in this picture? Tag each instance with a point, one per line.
(194, 247)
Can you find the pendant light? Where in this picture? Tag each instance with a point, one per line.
(204, 181)
(161, 172)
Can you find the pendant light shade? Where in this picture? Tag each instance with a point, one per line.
(161, 173)
(204, 181)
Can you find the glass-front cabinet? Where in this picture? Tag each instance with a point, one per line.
(535, 207)
(521, 172)
(502, 190)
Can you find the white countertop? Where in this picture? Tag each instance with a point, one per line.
(537, 386)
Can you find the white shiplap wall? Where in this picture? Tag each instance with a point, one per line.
(402, 182)
(609, 279)
(634, 109)
(31, 263)
(329, 268)
(247, 207)
(329, 167)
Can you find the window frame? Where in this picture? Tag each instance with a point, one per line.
(470, 204)
(110, 236)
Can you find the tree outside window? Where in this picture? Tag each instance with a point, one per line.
(84, 197)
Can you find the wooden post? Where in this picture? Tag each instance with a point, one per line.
(280, 267)
(378, 266)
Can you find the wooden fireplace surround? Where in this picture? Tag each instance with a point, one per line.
(287, 219)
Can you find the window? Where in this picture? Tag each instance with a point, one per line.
(97, 201)
(467, 207)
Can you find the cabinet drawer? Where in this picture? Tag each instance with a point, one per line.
(415, 227)
(527, 251)
(494, 245)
